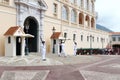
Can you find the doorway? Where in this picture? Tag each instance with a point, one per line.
(18, 45)
(30, 27)
(54, 43)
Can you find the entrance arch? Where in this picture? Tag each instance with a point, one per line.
(116, 48)
(30, 27)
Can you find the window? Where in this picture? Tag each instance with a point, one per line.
(102, 40)
(64, 13)
(85, 4)
(81, 18)
(72, 1)
(106, 40)
(118, 38)
(79, 3)
(54, 41)
(81, 37)
(65, 35)
(97, 39)
(93, 39)
(87, 38)
(90, 6)
(73, 16)
(9, 40)
(113, 38)
(92, 23)
(19, 39)
(87, 21)
(4, 1)
(74, 37)
(55, 8)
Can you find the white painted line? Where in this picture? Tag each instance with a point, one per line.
(96, 63)
(44, 78)
(82, 75)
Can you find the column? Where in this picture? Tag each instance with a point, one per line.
(90, 22)
(23, 47)
(40, 30)
(77, 18)
(69, 16)
(94, 23)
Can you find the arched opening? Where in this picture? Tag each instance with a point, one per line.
(87, 21)
(30, 27)
(18, 45)
(73, 16)
(116, 48)
(65, 13)
(81, 18)
(92, 23)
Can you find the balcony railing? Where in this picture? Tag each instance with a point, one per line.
(21, 1)
(4, 1)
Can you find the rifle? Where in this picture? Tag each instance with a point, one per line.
(41, 39)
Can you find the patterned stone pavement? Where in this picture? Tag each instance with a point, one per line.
(94, 67)
(24, 75)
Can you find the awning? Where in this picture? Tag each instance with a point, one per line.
(17, 31)
(55, 35)
(29, 35)
(25, 35)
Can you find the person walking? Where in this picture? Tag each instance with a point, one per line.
(63, 49)
(43, 51)
(60, 49)
(75, 48)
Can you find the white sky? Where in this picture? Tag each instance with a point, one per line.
(108, 14)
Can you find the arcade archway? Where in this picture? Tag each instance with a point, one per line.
(30, 27)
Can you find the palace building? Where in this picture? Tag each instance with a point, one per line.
(53, 21)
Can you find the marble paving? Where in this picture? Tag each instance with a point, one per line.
(25, 75)
(93, 75)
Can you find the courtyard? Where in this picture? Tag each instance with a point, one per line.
(80, 67)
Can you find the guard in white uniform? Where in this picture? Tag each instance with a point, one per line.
(75, 48)
(63, 49)
(43, 51)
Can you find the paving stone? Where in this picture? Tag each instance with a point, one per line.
(24, 75)
(92, 75)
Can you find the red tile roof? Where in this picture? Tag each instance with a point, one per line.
(115, 33)
(55, 35)
(12, 30)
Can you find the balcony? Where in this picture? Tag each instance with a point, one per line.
(73, 24)
(65, 22)
(21, 1)
(4, 2)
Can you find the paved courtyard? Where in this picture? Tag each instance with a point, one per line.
(81, 67)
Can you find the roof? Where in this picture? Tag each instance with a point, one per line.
(55, 35)
(115, 33)
(17, 31)
(11, 30)
(103, 28)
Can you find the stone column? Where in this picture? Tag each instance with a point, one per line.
(40, 30)
(77, 18)
(69, 16)
(23, 47)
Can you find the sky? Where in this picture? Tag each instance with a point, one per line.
(108, 14)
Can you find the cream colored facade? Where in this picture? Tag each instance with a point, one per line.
(79, 20)
(85, 24)
(7, 19)
(115, 39)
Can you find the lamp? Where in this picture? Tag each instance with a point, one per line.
(91, 44)
(27, 29)
(102, 42)
(53, 29)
